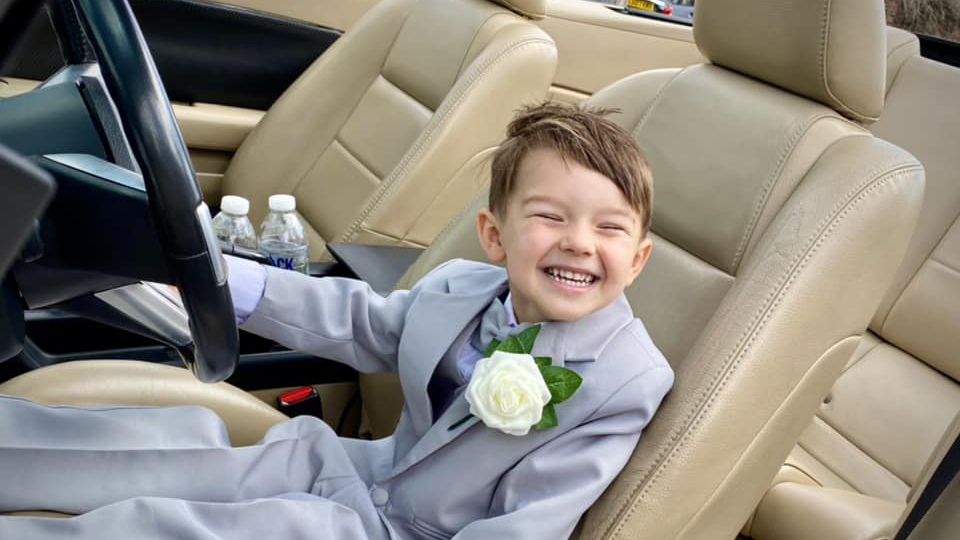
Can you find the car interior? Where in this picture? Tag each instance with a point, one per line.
(804, 282)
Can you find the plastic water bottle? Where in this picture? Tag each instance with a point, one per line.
(232, 225)
(281, 235)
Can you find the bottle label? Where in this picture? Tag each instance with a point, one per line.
(282, 262)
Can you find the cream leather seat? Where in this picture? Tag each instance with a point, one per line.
(776, 236)
(381, 137)
(862, 456)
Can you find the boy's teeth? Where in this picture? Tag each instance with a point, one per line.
(567, 277)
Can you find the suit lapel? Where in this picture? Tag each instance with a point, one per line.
(439, 434)
(435, 321)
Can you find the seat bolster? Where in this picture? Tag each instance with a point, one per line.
(521, 57)
(632, 96)
(792, 511)
(93, 383)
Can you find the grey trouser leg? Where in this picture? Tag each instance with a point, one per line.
(301, 517)
(78, 460)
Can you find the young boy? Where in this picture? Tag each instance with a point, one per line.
(568, 215)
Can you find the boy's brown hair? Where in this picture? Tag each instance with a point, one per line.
(579, 134)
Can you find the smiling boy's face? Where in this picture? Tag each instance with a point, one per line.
(571, 241)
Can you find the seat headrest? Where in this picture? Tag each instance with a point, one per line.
(901, 46)
(535, 9)
(833, 52)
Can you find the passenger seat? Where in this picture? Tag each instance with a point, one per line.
(855, 466)
(382, 138)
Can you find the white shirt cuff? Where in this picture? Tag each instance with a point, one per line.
(247, 281)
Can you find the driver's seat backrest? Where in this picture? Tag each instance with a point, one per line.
(380, 138)
(778, 223)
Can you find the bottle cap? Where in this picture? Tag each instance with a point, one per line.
(235, 205)
(282, 203)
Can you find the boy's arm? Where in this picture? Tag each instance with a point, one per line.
(337, 318)
(545, 494)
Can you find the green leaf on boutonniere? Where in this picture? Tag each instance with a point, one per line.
(548, 420)
(491, 348)
(511, 345)
(561, 382)
(543, 361)
(527, 337)
(521, 343)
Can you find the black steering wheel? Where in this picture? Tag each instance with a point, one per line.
(183, 222)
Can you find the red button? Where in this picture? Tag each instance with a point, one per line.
(296, 396)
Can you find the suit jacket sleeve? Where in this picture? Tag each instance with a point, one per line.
(338, 318)
(545, 494)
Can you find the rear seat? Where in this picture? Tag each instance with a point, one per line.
(855, 465)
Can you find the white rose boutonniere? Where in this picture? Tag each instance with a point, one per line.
(507, 392)
(512, 391)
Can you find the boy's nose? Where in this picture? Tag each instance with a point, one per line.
(577, 240)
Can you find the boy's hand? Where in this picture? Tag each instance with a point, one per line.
(226, 272)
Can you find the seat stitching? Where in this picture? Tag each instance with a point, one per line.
(430, 132)
(383, 62)
(705, 401)
(476, 33)
(656, 99)
(782, 158)
(481, 163)
(822, 71)
(824, 230)
(444, 230)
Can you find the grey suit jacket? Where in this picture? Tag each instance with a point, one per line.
(474, 482)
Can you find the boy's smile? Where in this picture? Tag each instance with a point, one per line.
(571, 241)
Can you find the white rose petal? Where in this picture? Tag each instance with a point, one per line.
(507, 392)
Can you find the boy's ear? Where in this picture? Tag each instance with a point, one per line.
(488, 231)
(641, 257)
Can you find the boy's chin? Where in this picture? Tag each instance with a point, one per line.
(569, 313)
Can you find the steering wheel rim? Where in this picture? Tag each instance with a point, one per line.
(183, 221)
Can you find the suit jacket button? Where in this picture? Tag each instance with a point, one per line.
(379, 496)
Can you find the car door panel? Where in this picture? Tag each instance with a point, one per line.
(338, 14)
(598, 45)
(220, 54)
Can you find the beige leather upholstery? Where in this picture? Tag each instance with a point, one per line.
(531, 8)
(840, 62)
(381, 137)
(825, 514)
(878, 427)
(121, 382)
(598, 46)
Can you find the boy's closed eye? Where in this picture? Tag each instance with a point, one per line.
(613, 227)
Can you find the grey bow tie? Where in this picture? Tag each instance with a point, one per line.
(494, 324)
